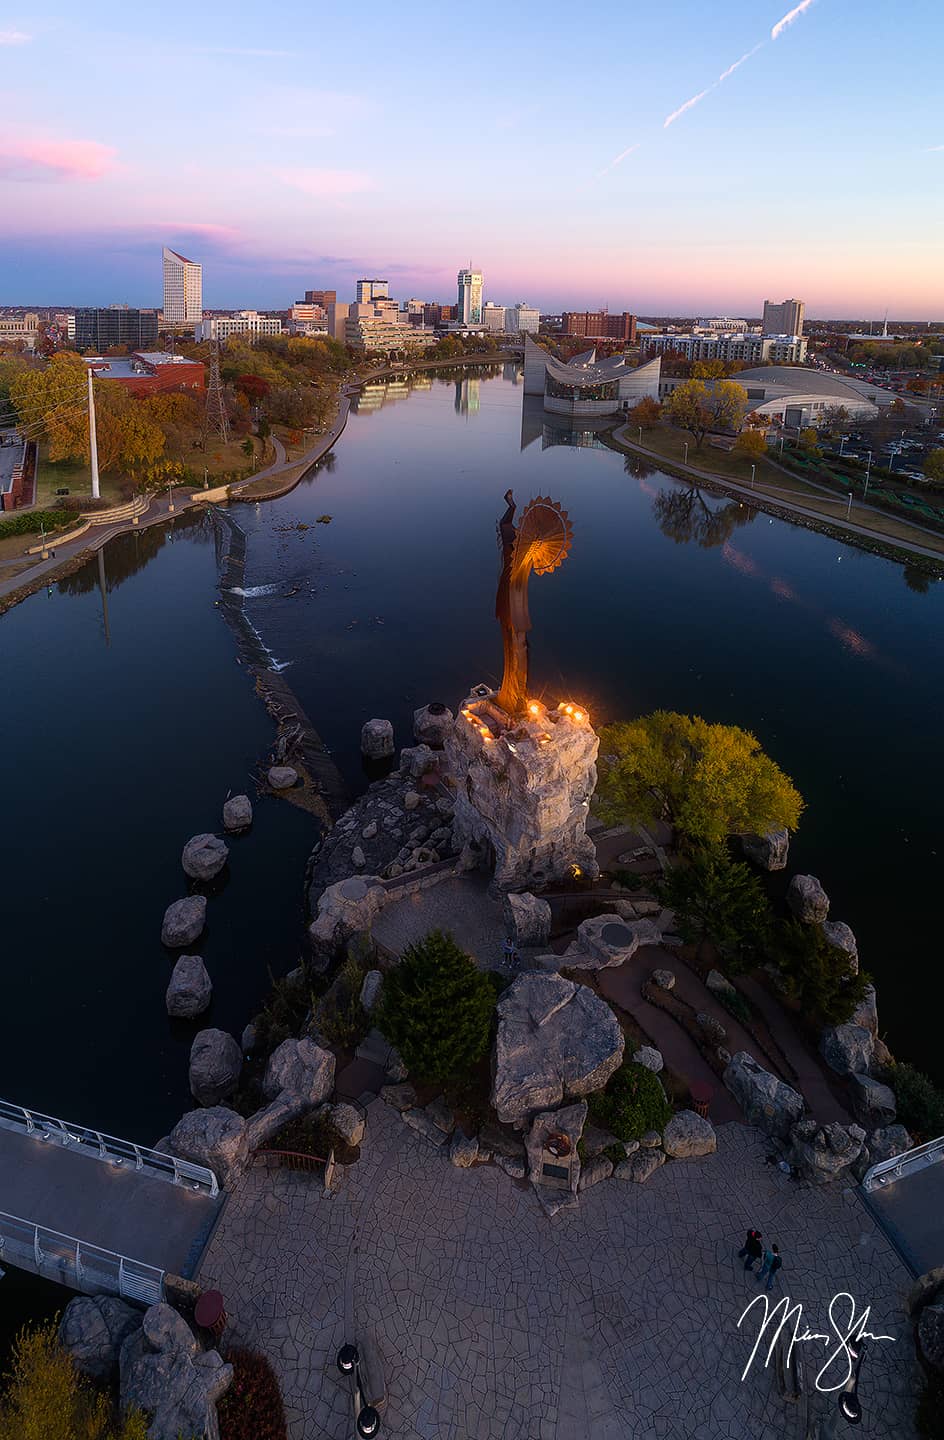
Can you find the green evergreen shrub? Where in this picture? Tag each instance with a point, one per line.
(436, 1009)
(631, 1104)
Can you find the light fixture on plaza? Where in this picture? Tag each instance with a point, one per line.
(347, 1359)
(578, 714)
(368, 1421)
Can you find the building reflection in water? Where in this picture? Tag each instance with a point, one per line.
(468, 396)
(539, 424)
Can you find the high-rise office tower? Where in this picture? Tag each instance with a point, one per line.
(469, 308)
(368, 290)
(324, 298)
(183, 290)
(785, 318)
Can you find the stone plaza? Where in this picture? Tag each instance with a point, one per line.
(617, 1319)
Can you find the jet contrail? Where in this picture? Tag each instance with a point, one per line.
(789, 18)
(618, 161)
(670, 119)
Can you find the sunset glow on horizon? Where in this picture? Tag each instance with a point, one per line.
(708, 160)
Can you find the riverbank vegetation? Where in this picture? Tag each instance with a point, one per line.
(45, 1397)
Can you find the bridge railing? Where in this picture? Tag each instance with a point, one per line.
(109, 1148)
(76, 1263)
(886, 1172)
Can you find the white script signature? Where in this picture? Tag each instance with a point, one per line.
(784, 1317)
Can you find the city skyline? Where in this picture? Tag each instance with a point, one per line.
(703, 177)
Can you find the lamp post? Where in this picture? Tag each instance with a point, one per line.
(44, 552)
(640, 434)
(170, 497)
(753, 468)
(685, 461)
(868, 467)
(849, 506)
(842, 441)
(848, 1404)
(366, 1417)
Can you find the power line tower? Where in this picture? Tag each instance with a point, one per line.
(216, 421)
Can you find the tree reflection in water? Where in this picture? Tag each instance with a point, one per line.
(684, 515)
(129, 553)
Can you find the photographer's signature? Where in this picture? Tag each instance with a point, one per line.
(787, 1319)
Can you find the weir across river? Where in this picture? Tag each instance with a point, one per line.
(96, 1213)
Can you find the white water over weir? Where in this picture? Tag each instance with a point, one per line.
(97, 1213)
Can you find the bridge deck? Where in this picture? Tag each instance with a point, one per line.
(123, 1210)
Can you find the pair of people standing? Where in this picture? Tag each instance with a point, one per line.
(753, 1250)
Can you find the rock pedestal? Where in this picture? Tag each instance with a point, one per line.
(237, 814)
(769, 1103)
(215, 1064)
(432, 723)
(523, 788)
(204, 857)
(376, 739)
(190, 988)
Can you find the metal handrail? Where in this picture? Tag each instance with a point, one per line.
(109, 1147)
(887, 1171)
(92, 1265)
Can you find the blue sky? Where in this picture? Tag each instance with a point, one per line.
(290, 146)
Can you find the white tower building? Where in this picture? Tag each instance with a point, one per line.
(183, 290)
(469, 308)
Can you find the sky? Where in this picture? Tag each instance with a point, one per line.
(676, 158)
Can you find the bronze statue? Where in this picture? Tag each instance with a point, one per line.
(540, 542)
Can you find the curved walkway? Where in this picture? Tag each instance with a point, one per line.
(782, 503)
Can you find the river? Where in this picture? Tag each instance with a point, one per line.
(127, 716)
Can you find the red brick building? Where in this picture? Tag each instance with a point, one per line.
(599, 325)
(150, 372)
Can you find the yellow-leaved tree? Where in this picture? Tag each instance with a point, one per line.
(45, 1398)
(708, 781)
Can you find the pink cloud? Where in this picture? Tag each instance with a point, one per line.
(14, 37)
(37, 159)
(327, 182)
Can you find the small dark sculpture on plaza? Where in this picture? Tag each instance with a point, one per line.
(540, 542)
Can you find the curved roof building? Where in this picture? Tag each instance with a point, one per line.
(585, 385)
(801, 396)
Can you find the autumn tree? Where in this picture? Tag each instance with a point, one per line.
(728, 403)
(687, 407)
(809, 441)
(934, 467)
(51, 400)
(645, 414)
(751, 445)
(708, 781)
(47, 1399)
(708, 370)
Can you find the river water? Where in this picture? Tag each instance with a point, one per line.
(127, 716)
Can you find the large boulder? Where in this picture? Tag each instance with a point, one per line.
(608, 939)
(215, 1064)
(720, 985)
(92, 1329)
(847, 1049)
(556, 1041)
(347, 1122)
(432, 723)
(769, 1103)
(568, 1121)
(282, 777)
(838, 934)
(640, 1166)
(344, 909)
(370, 990)
(216, 1138)
(887, 1142)
(649, 1056)
(184, 921)
(527, 918)
(687, 1135)
(463, 1149)
(376, 739)
(204, 857)
(271, 1118)
(165, 1374)
(302, 1067)
(873, 1104)
(769, 850)
(824, 1152)
(807, 899)
(190, 988)
(237, 814)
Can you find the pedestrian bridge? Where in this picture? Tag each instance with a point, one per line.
(95, 1213)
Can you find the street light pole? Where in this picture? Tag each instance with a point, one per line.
(753, 468)
(849, 506)
(640, 434)
(93, 441)
(170, 497)
(685, 461)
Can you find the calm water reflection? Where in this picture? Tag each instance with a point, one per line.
(670, 597)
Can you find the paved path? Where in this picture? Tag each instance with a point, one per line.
(129, 1212)
(616, 1321)
(460, 905)
(783, 502)
(813, 1082)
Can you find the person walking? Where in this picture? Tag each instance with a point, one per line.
(752, 1249)
(509, 954)
(772, 1263)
